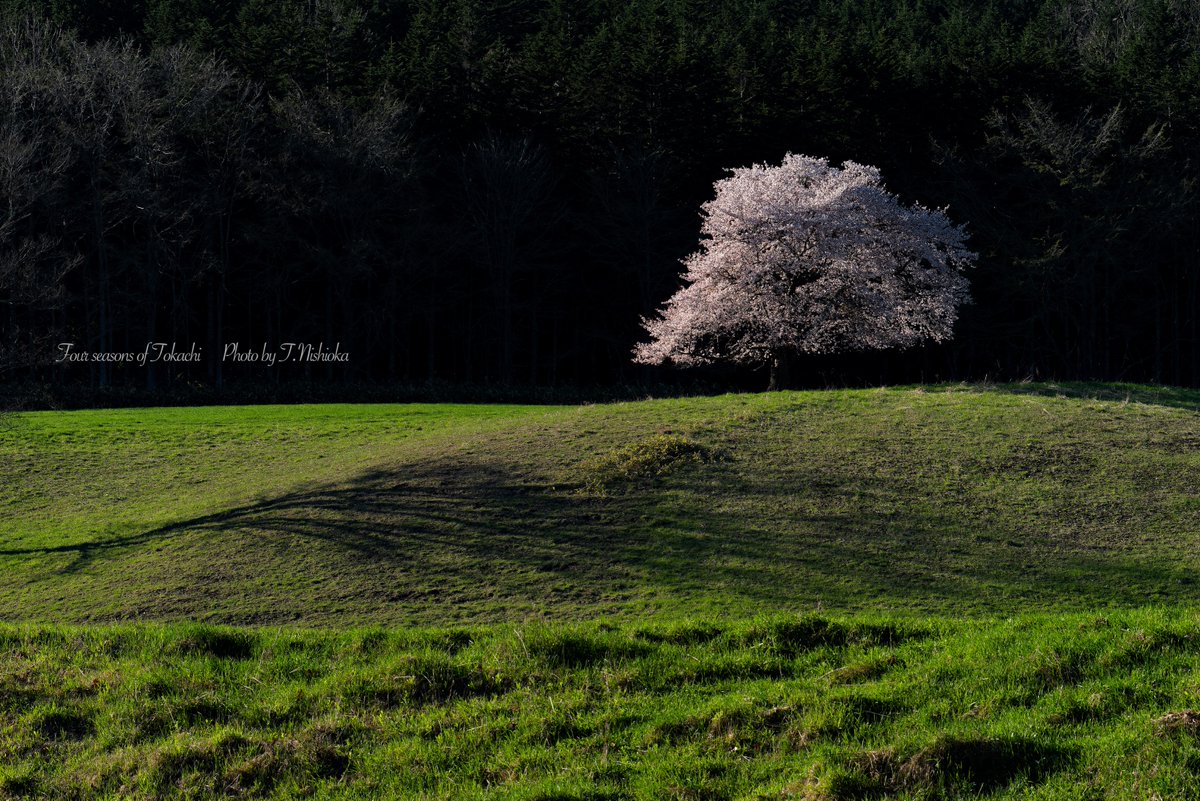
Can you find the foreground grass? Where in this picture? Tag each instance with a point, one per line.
(815, 707)
(948, 500)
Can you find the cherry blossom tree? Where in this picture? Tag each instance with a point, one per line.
(809, 258)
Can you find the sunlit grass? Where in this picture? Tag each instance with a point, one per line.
(817, 707)
(949, 500)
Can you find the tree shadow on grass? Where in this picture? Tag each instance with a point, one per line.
(434, 531)
(481, 538)
(380, 514)
(1150, 395)
(866, 550)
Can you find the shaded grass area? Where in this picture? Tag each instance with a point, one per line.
(813, 707)
(960, 500)
(1156, 395)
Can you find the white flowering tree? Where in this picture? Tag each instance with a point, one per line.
(809, 258)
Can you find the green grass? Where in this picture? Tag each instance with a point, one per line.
(949, 592)
(949, 500)
(808, 707)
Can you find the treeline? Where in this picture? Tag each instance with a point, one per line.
(496, 192)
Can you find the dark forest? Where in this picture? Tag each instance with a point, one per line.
(495, 193)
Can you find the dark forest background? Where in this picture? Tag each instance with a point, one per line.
(495, 192)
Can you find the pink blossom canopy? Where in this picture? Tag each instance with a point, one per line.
(805, 257)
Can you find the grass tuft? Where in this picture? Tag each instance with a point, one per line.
(952, 766)
(808, 632)
(688, 633)
(648, 457)
(1184, 722)
(62, 724)
(422, 678)
(223, 643)
(978, 764)
(569, 649)
(17, 783)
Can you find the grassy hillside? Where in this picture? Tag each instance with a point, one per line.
(925, 593)
(945, 500)
(812, 707)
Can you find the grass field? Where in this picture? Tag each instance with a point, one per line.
(907, 592)
(810, 707)
(947, 500)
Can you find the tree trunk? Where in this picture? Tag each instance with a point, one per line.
(781, 373)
